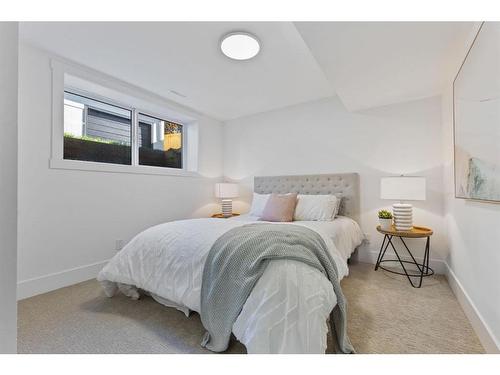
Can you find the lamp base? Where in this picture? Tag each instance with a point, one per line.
(403, 216)
(227, 207)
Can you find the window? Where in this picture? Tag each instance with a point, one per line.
(103, 124)
(96, 131)
(101, 132)
(160, 142)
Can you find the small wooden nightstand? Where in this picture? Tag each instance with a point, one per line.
(219, 216)
(416, 232)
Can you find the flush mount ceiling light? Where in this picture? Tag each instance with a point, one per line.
(240, 45)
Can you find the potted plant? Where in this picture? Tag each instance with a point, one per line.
(385, 219)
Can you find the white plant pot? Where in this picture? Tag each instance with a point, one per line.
(385, 224)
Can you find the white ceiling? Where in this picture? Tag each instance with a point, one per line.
(366, 64)
(185, 57)
(372, 64)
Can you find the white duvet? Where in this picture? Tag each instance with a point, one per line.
(288, 308)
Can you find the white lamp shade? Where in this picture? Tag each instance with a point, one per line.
(403, 188)
(226, 190)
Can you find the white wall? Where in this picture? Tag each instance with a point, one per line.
(323, 137)
(473, 236)
(8, 185)
(69, 220)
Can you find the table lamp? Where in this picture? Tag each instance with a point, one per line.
(402, 189)
(226, 191)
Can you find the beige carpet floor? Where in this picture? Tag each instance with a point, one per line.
(386, 315)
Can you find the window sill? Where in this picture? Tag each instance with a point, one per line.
(117, 168)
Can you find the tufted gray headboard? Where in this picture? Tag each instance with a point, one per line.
(345, 185)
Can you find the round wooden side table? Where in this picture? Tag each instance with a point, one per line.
(423, 269)
(220, 216)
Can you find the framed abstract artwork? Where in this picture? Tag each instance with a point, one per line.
(476, 118)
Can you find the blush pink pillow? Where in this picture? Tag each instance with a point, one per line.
(280, 207)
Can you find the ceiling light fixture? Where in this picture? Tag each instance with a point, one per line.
(240, 45)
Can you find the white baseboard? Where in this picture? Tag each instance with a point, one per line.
(490, 343)
(370, 256)
(56, 280)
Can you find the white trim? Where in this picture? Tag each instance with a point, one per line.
(43, 284)
(118, 168)
(490, 343)
(57, 110)
(370, 256)
(135, 137)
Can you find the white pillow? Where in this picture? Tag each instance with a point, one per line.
(316, 207)
(258, 203)
(337, 208)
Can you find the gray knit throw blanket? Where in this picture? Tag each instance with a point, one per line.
(238, 259)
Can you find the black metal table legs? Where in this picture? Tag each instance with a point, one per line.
(423, 269)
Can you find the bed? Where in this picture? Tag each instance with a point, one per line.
(288, 309)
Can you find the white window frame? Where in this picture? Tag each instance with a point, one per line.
(137, 101)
